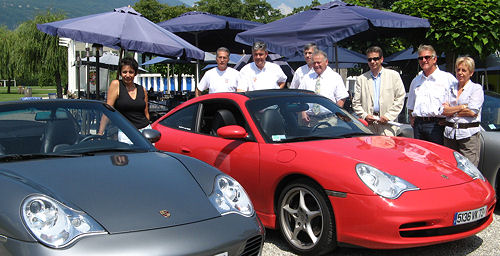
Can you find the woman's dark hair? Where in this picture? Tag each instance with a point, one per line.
(129, 61)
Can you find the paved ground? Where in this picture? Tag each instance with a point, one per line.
(486, 243)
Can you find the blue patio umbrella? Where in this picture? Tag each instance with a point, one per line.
(344, 56)
(123, 28)
(330, 23)
(209, 59)
(209, 31)
(408, 54)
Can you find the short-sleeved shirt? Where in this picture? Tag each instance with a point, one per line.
(298, 75)
(252, 78)
(427, 94)
(473, 96)
(216, 80)
(332, 86)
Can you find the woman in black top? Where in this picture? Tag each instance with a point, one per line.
(130, 99)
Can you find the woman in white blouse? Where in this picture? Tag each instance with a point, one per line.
(463, 112)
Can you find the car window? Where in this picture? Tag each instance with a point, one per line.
(48, 127)
(217, 114)
(490, 113)
(184, 119)
(301, 118)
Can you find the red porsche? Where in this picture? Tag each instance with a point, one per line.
(317, 174)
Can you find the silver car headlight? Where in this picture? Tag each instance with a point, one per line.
(467, 166)
(229, 196)
(55, 224)
(383, 184)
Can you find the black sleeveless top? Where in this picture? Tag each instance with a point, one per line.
(133, 110)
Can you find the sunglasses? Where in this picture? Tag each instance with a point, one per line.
(425, 57)
(374, 59)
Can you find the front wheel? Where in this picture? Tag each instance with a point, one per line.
(305, 218)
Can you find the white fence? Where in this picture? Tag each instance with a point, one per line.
(164, 84)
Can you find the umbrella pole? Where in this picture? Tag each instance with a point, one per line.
(98, 78)
(87, 49)
(119, 60)
(336, 58)
(197, 63)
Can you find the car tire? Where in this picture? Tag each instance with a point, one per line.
(308, 227)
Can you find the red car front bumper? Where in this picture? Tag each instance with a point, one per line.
(416, 218)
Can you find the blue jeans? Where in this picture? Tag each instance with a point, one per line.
(429, 131)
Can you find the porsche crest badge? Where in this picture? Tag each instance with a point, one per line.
(165, 213)
(444, 176)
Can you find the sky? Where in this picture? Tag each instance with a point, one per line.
(286, 6)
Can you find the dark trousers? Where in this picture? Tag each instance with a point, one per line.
(429, 131)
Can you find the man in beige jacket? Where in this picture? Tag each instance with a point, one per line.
(378, 95)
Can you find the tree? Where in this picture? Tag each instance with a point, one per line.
(229, 8)
(254, 10)
(260, 10)
(41, 53)
(6, 56)
(375, 4)
(157, 12)
(305, 8)
(457, 27)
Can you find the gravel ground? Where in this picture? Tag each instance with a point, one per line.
(485, 243)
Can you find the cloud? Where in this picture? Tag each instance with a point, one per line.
(285, 9)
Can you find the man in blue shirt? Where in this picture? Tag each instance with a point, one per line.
(379, 95)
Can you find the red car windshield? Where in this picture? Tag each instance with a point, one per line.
(302, 118)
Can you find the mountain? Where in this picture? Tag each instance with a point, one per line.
(286, 6)
(15, 12)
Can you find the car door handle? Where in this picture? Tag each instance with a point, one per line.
(185, 150)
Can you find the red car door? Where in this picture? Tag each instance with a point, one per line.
(237, 157)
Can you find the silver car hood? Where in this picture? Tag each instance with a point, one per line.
(123, 192)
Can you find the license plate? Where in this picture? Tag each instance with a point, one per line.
(469, 216)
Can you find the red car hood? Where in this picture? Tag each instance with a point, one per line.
(425, 165)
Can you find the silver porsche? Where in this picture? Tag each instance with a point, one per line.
(68, 190)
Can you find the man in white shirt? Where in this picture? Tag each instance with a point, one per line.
(260, 74)
(323, 81)
(330, 82)
(309, 49)
(379, 94)
(221, 78)
(428, 92)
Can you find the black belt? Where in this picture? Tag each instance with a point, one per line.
(429, 119)
(462, 125)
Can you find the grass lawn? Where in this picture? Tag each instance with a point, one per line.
(35, 92)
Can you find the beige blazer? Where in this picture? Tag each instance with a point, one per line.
(392, 94)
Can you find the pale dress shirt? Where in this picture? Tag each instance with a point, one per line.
(298, 75)
(473, 96)
(376, 91)
(216, 80)
(332, 85)
(252, 78)
(427, 94)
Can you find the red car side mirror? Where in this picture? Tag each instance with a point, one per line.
(232, 132)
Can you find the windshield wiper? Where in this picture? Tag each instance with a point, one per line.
(307, 138)
(105, 150)
(22, 157)
(356, 134)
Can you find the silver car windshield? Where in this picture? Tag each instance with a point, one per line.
(65, 128)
